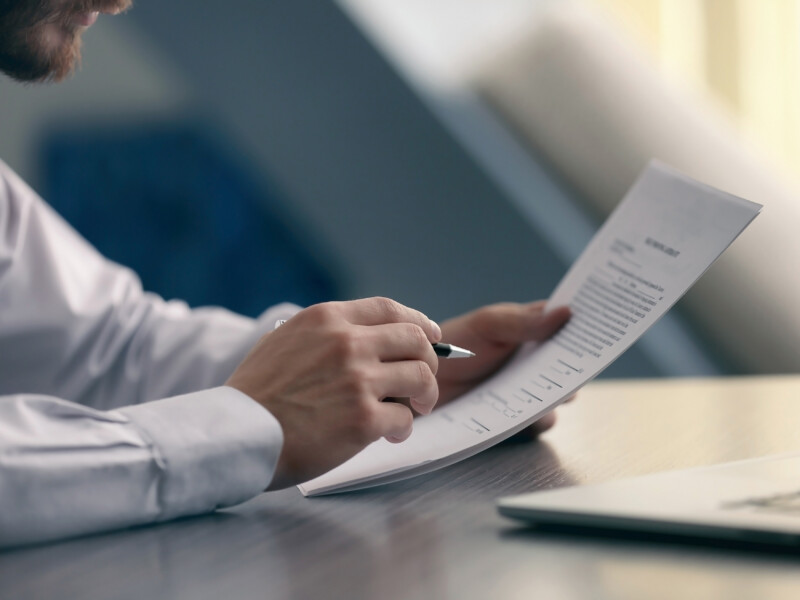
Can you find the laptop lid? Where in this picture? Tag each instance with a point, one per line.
(755, 500)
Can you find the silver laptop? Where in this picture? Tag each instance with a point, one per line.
(749, 501)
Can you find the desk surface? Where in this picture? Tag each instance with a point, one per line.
(439, 536)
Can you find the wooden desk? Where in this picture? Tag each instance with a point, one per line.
(439, 536)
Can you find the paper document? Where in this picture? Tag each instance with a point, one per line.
(661, 238)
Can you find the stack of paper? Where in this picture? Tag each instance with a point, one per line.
(661, 238)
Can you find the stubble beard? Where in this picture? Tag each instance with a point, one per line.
(41, 43)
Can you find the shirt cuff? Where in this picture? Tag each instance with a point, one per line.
(212, 448)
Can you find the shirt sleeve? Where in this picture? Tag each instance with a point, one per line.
(68, 470)
(78, 326)
(113, 410)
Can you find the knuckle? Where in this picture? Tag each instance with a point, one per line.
(424, 374)
(391, 310)
(422, 371)
(344, 344)
(319, 314)
(418, 336)
(357, 384)
(505, 312)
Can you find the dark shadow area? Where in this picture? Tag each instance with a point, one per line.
(178, 205)
(608, 538)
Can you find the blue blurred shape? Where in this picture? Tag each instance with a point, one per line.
(176, 205)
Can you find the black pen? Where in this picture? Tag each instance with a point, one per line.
(442, 350)
(451, 351)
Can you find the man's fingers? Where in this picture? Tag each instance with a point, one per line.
(550, 322)
(411, 379)
(378, 311)
(397, 422)
(516, 323)
(402, 341)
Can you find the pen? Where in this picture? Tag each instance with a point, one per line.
(451, 351)
(442, 350)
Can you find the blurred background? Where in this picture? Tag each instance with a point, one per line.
(446, 153)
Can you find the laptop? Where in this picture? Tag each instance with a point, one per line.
(747, 501)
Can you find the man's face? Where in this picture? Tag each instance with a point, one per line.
(40, 40)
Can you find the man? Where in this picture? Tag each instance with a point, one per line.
(118, 408)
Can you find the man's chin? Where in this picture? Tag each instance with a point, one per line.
(40, 41)
(51, 62)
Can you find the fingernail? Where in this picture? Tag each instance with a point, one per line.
(436, 329)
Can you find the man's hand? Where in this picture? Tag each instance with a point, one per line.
(324, 374)
(494, 333)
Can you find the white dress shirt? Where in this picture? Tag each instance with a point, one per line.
(112, 409)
